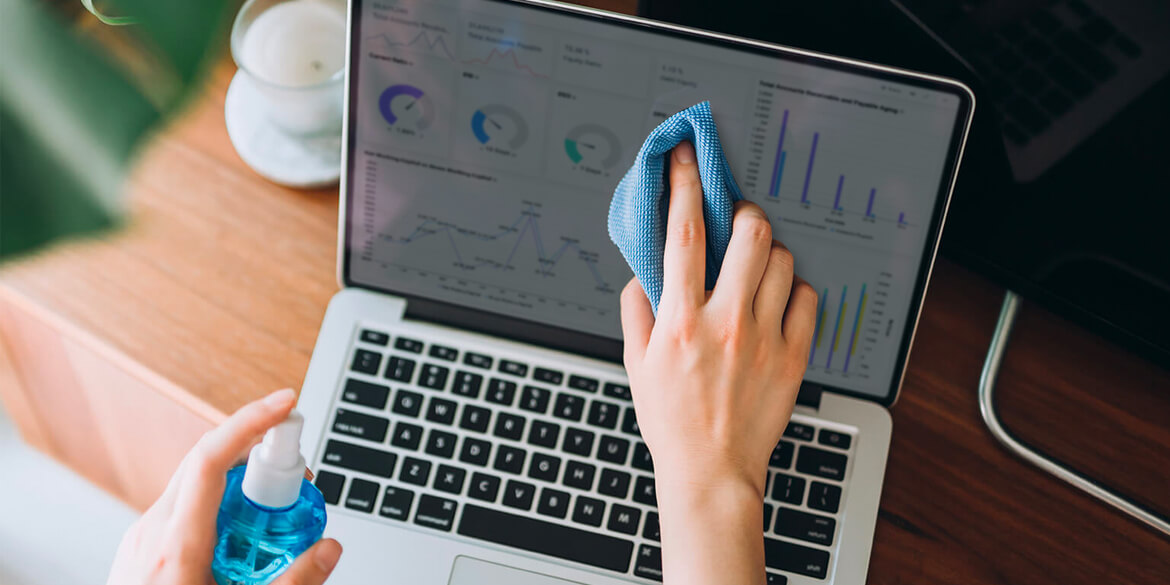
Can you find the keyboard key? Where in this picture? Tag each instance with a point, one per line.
(603, 414)
(374, 337)
(509, 426)
(619, 391)
(396, 503)
(1026, 114)
(550, 538)
(433, 376)
(407, 403)
(535, 399)
(548, 376)
(642, 458)
(794, 558)
(477, 360)
(449, 479)
(407, 344)
(467, 384)
(363, 459)
(440, 444)
(510, 459)
(399, 369)
(768, 517)
(1097, 30)
(366, 362)
(1055, 102)
(475, 418)
(652, 531)
(435, 512)
(415, 471)
(518, 494)
(821, 463)
(613, 449)
(441, 411)
(569, 407)
(553, 503)
(588, 511)
(1127, 46)
(475, 452)
(834, 439)
(614, 483)
(544, 467)
(799, 431)
(362, 495)
(1069, 77)
(775, 579)
(365, 394)
(804, 526)
(630, 423)
(330, 485)
(544, 434)
(782, 455)
(356, 424)
(514, 368)
(501, 391)
(824, 497)
(624, 519)
(1085, 55)
(407, 436)
(788, 489)
(578, 442)
(483, 487)
(583, 384)
(579, 475)
(644, 491)
(443, 352)
(649, 563)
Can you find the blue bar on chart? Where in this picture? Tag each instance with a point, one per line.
(902, 218)
(808, 173)
(869, 208)
(817, 328)
(856, 328)
(778, 166)
(837, 199)
(837, 328)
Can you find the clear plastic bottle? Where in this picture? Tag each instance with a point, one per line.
(270, 513)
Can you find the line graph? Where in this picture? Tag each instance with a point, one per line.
(507, 54)
(525, 229)
(437, 44)
(421, 39)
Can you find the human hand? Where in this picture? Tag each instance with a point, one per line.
(172, 543)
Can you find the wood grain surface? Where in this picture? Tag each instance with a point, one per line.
(219, 283)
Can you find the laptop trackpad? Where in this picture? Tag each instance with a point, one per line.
(469, 571)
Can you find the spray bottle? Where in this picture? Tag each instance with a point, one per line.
(270, 513)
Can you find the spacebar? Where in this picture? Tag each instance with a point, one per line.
(547, 538)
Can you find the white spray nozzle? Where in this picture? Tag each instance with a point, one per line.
(275, 466)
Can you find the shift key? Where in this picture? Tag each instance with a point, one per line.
(363, 459)
(821, 463)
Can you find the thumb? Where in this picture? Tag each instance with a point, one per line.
(313, 566)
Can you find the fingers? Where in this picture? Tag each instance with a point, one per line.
(685, 258)
(775, 286)
(800, 317)
(206, 465)
(313, 566)
(747, 257)
(637, 321)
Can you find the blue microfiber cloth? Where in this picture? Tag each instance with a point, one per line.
(637, 215)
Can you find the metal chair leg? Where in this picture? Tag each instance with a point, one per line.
(999, 342)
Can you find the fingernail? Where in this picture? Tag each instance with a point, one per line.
(327, 555)
(684, 153)
(280, 398)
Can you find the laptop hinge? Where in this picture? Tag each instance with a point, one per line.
(810, 395)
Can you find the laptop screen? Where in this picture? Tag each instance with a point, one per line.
(486, 139)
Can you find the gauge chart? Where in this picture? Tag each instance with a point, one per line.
(406, 106)
(593, 145)
(499, 125)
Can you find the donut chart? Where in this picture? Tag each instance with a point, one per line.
(408, 105)
(593, 145)
(499, 123)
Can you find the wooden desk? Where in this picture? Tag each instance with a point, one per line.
(120, 353)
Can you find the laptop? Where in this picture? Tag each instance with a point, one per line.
(466, 411)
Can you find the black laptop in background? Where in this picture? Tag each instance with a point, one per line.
(1064, 195)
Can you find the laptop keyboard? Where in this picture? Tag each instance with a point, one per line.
(522, 455)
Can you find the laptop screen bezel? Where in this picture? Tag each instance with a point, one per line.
(609, 349)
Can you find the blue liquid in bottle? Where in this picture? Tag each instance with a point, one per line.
(270, 514)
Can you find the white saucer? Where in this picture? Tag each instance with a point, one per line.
(302, 162)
